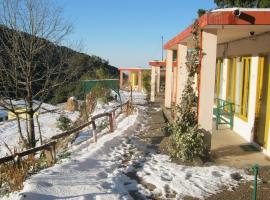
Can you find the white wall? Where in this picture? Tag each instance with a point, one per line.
(246, 128)
(169, 79)
(207, 83)
(153, 84)
(224, 79)
(252, 48)
(182, 72)
(258, 45)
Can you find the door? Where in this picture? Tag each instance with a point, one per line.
(261, 132)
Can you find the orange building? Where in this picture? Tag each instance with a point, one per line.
(234, 69)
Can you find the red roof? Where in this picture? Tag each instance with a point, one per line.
(261, 17)
(161, 63)
(132, 68)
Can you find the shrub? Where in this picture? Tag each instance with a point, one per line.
(146, 81)
(64, 123)
(13, 174)
(187, 142)
(101, 92)
(188, 145)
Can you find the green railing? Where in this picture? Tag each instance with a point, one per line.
(255, 169)
(223, 112)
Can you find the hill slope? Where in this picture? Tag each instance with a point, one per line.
(80, 65)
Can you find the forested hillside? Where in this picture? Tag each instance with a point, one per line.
(77, 66)
(83, 67)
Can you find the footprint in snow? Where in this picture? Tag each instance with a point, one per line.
(109, 170)
(166, 177)
(216, 174)
(106, 185)
(102, 175)
(54, 173)
(188, 176)
(44, 184)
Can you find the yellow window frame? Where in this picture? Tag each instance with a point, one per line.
(231, 80)
(218, 67)
(259, 83)
(244, 89)
(267, 125)
(234, 79)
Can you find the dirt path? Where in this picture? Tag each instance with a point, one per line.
(142, 142)
(127, 165)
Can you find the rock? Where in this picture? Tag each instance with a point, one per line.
(72, 104)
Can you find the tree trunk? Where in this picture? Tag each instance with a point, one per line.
(20, 130)
(30, 122)
(31, 128)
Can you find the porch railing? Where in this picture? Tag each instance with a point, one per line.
(223, 112)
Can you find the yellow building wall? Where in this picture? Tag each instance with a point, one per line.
(12, 116)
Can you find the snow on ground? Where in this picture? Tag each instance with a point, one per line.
(101, 107)
(198, 182)
(120, 166)
(48, 123)
(85, 176)
(137, 97)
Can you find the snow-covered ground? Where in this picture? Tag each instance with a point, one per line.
(137, 97)
(86, 175)
(199, 182)
(9, 129)
(120, 166)
(48, 121)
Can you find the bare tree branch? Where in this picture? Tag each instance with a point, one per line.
(32, 63)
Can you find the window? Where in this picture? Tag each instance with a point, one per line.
(174, 55)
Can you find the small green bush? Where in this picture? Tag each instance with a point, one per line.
(101, 92)
(146, 81)
(64, 123)
(186, 146)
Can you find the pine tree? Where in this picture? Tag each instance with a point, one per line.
(243, 3)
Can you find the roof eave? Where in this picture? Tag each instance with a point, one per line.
(262, 17)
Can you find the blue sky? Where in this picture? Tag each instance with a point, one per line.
(128, 32)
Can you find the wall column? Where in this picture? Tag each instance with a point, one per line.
(153, 84)
(168, 79)
(224, 78)
(181, 70)
(174, 85)
(158, 79)
(207, 84)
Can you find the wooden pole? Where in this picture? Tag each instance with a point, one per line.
(111, 122)
(94, 131)
(114, 120)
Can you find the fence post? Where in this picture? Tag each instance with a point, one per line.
(255, 171)
(114, 120)
(111, 122)
(50, 154)
(127, 110)
(94, 131)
